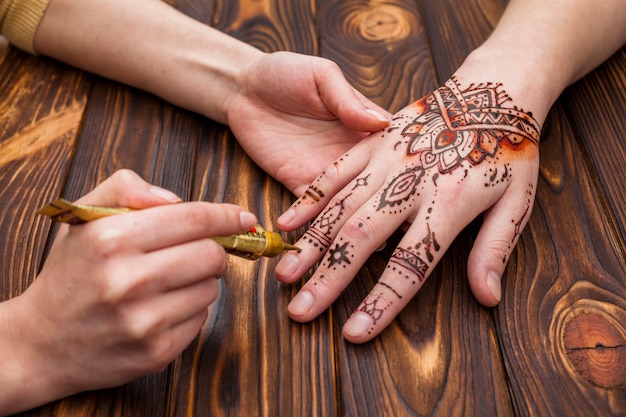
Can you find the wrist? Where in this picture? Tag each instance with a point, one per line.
(25, 383)
(223, 77)
(531, 88)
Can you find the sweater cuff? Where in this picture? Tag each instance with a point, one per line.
(21, 21)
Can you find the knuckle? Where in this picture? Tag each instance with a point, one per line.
(196, 214)
(217, 255)
(324, 283)
(326, 66)
(331, 173)
(160, 353)
(211, 288)
(107, 242)
(387, 292)
(496, 250)
(208, 290)
(123, 175)
(142, 326)
(358, 228)
(114, 284)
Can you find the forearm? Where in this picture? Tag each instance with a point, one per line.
(149, 45)
(540, 47)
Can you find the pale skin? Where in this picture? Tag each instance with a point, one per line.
(474, 140)
(117, 298)
(281, 107)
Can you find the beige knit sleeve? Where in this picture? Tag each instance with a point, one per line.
(19, 20)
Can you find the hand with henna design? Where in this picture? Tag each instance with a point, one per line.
(463, 142)
(469, 148)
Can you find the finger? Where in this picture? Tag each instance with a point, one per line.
(178, 267)
(358, 238)
(185, 303)
(325, 188)
(326, 227)
(411, 263)
(352, 108)
(127, 189)
(435, 226)
(165, 226)
(167, 345)
(500, 230)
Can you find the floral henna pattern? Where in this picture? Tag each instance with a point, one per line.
(456, 127)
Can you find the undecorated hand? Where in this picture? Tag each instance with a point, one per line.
(119, 297)
(297, 114)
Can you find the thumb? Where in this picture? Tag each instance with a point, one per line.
(354, 110)
(127, 189)
(500, 231)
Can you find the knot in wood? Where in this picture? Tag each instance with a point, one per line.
(384, 23)
(596, 347)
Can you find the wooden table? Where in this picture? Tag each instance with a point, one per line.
(555, 346)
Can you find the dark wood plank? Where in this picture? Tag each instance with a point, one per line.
(596, 107)
(251, 359)
(457, 27)
(4, 48)
(382, 49)
(565, 273)
(41, 110)
(426, 363)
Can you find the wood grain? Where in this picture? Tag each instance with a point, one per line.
(41, 110)
(556, 345)
(455, 28)
(560, 276)
(597, 109)
(240, 359)
(382, 49)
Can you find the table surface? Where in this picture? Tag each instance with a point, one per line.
(556, 344)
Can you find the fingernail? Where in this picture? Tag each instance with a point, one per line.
(494, 282)
(287, 217)
(358, 324)
(301, 303)
(287, 266)
(247, 219)
(377, 115)
(164, 194)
